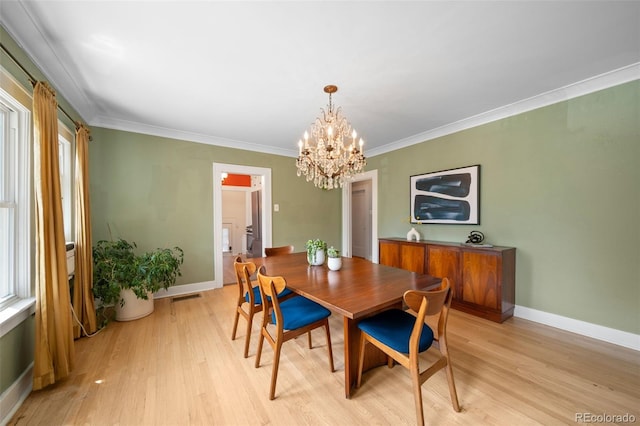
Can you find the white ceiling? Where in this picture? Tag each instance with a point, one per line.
(251, 74)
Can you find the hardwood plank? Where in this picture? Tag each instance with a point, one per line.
(179, 366)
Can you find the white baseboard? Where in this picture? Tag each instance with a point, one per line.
(14, 396)
(179, 290)
(611, 335)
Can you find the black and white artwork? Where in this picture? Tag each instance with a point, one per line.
(448, 196)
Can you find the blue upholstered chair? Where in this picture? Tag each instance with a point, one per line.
(292, 318)
(249, 293)
(403, 335)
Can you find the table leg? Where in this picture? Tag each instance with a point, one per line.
(351, 343)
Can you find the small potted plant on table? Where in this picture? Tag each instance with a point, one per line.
(315, 251)
(334, 262)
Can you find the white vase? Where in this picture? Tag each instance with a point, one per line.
(318, 260)
(334, 263)
(133, 307)
(413, 233)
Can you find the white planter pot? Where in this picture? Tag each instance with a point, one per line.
(334, 263)
(319, 259)
(133, 307)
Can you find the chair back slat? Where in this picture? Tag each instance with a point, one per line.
(272, 286)
(277, 251)
(436, 309)
(435, 298)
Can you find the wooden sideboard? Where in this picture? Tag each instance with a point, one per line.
(483, 278)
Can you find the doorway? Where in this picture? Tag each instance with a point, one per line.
(264, 177)
(365, 211)
(361, 219)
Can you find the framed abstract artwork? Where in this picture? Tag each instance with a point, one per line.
(447, 196)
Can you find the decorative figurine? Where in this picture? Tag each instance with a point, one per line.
(413, 233)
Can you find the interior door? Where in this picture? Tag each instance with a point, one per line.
(361, 219)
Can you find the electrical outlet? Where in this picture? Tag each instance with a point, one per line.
(276, 207)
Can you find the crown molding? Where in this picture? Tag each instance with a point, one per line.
(129, 126)
(584, 87)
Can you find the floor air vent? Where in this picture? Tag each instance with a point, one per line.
(185, 297)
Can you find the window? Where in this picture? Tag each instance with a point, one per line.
(66, 172)
(7, 210)
(15, 266)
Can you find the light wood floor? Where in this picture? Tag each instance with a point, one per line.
(179, 366)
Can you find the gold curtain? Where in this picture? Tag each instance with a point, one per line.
(83, 281)
(54, 351)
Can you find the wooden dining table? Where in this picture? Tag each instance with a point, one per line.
(359, 289)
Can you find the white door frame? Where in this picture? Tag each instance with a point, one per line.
(347, 211)
(218, 168)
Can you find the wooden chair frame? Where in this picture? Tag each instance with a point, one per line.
(277, 251)
(243, 271)
(271, 287)
(432, 308)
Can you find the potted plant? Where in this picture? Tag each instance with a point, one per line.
(127, 281)
(315, 251)
(334, 262)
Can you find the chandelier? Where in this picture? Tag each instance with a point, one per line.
(323, 157)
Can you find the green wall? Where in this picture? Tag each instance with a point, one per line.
(562, 185)
(16, 352)
(159, 192)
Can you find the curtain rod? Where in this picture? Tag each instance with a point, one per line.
(34, 81)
